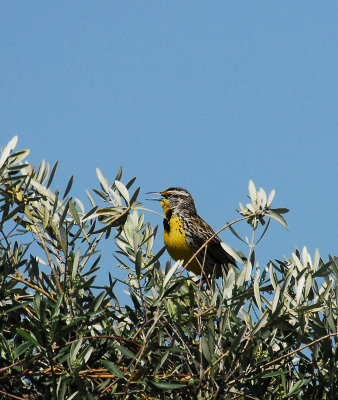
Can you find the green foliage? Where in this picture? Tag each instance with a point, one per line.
(257, 333)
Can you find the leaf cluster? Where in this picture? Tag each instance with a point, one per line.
(256, 333)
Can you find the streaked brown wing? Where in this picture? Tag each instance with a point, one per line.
(216, 255)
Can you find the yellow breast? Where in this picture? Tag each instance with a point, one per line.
(174, 239)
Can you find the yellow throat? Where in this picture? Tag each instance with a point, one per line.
(174, 236)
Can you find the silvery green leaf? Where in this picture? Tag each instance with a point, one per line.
(247, 318)
(20, 155)
(56, 310)
(125, 351)
(46, 217)
(171, 272)
(261, 323)
(171, 308)
(41, 260)
(258, 271)
(257, 294)
(262, 196)
(296, 260)
(167, 386)
(305, 256)
(61, 389)
(252, 191)
(275, 299)
(149, 244)
(99, 299)
(90, 198)
(117, 198)
(286, 284)
(250, 207)
(248, 270)
(80, 205)
(133, 218)
(122, 245)
(27, 335)
(272, 277)
(41, 171)
(42, 189)
(263, 233)
(140, 220)
(206, 348)
(102, 180)
(241, 207)
(308, 285)
(135, 195)
(76, 263)
(90, 214)
(327, 290)
(312, 307)
(300, 286)
(229, 284)
(74, 212)
(232, 252)
(295, 387)
(63, 237)
(235, 233)
(74, 349)
(138, 263)
(240, 336)
(69, 186)
(154, 293)
(280, 210)
(27, 170)
(119, 174)
(51, 177)
(72, 395)
(241, 278)
(7, 150)
(114, 369)
(259, 198)
(123, 190)
(316, 259)
(130, 183)
(271, 197)
(278, 218)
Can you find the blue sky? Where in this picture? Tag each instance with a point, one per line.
(203, 95)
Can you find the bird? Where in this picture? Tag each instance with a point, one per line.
(184, 232)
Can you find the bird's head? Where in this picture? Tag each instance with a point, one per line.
(176, 200)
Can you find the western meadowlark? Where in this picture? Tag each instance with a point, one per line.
(185, 232)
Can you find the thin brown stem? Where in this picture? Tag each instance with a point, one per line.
(27, 283)
(13, 396)
(209, 240)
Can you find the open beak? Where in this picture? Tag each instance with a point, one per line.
(155, 198)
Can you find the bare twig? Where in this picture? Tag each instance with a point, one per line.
(209, 240)
(29, 284)
(13, 396)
